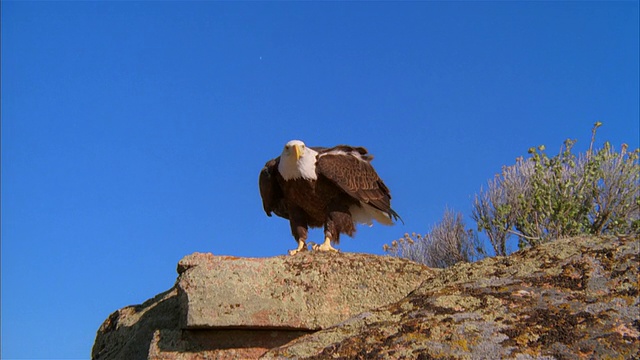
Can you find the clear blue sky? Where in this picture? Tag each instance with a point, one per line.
(133, 132)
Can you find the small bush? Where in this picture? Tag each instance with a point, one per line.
(447, 244)
(542, 198)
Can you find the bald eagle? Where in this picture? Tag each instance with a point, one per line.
(334, 188)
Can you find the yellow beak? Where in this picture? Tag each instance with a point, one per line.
(298, 150)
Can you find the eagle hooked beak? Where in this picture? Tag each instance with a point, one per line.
(298, 150)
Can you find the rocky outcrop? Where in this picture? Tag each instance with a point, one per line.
(573, 298)
(229, 307)
(128, 332)
(570, 299)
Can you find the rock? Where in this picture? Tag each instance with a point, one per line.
(127, 333)
(238, 308)
(573, 298)
(310, 291)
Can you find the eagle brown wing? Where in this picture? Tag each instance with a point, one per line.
(351, 170)
(270, 190)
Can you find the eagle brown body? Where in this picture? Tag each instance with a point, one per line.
(324, 187)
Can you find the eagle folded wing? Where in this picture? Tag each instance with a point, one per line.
(354, 175)
(270, 191)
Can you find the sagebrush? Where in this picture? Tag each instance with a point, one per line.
(448, 243)
(539, 199)
(542, 198)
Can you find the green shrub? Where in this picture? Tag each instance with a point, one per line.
(539, 199)
(542, 198)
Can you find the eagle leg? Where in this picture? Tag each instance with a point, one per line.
(326, 246)
(302, 246)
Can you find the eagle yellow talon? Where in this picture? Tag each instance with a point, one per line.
(302, 246)
(326, 246)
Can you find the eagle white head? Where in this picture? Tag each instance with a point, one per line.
(298, 161)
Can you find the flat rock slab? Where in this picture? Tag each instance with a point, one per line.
(308, 291)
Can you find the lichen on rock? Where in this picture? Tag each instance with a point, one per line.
(566, 299)
(572, 298)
